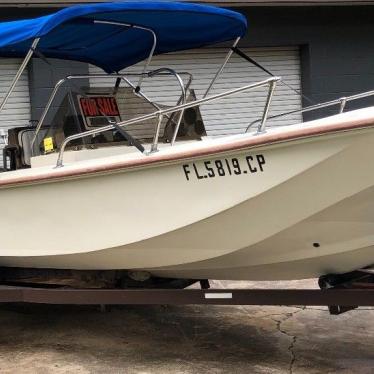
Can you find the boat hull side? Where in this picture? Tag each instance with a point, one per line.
(265, 227)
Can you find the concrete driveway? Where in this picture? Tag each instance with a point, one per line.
(186, 339)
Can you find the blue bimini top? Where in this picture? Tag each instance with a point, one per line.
(74, 33)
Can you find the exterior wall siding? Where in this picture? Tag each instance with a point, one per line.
(231, 115)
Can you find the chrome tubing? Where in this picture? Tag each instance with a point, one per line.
(140, 93)
(85, 76)
(161, 113)
(140, 81)
(341, 101)
(182, 98)
(262, 125)
(151, 74)
(148, 100)
(19, 72)
(157, 134)
(226, 60)
(171, 72)
(149, 59)
(45, 111)
(179, 120)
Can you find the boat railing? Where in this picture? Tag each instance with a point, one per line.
(159, 114)
(124, 77)
(341, 102)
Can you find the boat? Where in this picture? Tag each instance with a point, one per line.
(83, 193)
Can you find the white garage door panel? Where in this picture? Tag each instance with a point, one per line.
(230, 115)
(17, 109)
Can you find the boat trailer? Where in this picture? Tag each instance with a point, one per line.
(340, 293)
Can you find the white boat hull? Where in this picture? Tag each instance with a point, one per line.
(297, 209)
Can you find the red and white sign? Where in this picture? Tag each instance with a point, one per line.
(95, 109)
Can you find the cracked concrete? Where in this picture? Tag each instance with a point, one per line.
(186, 339)
(293, 337)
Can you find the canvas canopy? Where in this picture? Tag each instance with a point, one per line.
(73, 34)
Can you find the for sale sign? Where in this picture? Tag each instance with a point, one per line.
(96, 110)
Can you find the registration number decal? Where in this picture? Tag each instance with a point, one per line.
(232, 166)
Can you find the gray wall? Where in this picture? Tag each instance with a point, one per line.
(42, 78)
(337, 53)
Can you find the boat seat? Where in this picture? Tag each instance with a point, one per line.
(25, 138)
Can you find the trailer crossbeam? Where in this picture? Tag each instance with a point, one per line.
(312, 297)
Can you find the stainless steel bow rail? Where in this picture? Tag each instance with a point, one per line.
(354, 289)
(342, 102)
(271, 83)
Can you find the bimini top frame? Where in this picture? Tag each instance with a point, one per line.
(105, 42)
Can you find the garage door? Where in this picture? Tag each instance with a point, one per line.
(17, 109)
(231, 115)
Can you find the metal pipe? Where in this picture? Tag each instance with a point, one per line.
(147, 62)
(85, 76)
(261, 127)
(360, 95)
(140, 93)
(157, 133)
(182, 98)
(150, 53)
(317, 106)
(19, 72)
(145, 97)
(46, 109)
(227, 58)
(171, 72)
(161, 112)
(187, 86)
(343, 102)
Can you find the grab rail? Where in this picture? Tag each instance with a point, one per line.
(271, 82)
(342, 101)
(162, 71)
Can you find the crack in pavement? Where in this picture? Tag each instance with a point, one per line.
(278, 322)
(291, 347)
